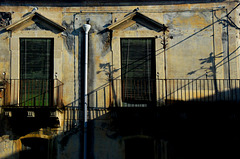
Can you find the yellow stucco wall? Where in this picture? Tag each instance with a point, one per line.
(190, 25)
(199, 31)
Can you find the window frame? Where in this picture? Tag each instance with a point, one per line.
(36, 91)
(146, 94)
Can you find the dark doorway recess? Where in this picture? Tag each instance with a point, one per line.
(139, 148)
(37, 148)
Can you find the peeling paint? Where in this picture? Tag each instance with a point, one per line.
(68, 36)
(189, 55)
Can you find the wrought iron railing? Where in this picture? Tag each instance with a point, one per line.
(33, 93)
(160, 92)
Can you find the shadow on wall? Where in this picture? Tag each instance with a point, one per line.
(192, 129)
(188, 129)
(31, 141)
(210, 70)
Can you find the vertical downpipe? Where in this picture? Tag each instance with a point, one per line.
(165, 62)
(228, 58)
(214, 56)
(86, 28)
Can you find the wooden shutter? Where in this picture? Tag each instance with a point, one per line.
(138, 70)
(36, 71)
(36, 58)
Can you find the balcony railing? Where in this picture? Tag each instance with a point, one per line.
(33, 93)
(160, 92)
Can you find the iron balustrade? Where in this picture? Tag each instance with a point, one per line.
(33, 93)
(161, 92)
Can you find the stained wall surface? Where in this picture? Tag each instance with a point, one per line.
(202, 41)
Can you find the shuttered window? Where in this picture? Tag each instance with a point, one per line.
(36, 59)
(138, 70)
(36, 71)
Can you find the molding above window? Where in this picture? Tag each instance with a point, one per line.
(136, 17)
(32, 18)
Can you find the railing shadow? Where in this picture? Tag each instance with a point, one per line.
(203, 90)
(136, 93)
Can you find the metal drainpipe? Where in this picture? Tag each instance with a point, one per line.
(86, 28)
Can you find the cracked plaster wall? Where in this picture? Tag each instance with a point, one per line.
(187, 56)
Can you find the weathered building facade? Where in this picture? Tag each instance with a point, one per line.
(158, 72)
